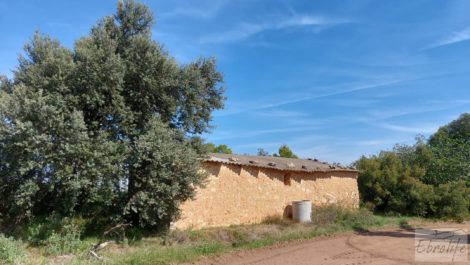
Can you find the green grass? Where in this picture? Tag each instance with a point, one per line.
(189, 245)
(11, 251)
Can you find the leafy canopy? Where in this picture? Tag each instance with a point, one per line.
(430, 178)
(106, 130)
(450, 147)
(221, 149)
(285, 151)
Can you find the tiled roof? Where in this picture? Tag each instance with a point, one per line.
(279, 163)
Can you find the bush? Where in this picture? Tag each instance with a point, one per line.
(348, 218)
(67, 240)
(326, 215)
(41, 229)
(358, 219)
(11, 251)
(453, 201)
(51, 230)
(58, 235)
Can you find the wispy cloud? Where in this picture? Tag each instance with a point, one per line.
(255, 133)
(245, 30)
(326, 148)
(301, 97)
(376, 142)
(418, 129)
(429, 106)
(454, 37)
(195, 10)
(280, 114)
(380, 117)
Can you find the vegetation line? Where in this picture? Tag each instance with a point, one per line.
(189, 245)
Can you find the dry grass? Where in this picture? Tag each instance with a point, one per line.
(187, 245)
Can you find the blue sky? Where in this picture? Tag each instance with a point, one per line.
(332, 79)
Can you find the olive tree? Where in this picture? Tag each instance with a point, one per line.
(106, 129)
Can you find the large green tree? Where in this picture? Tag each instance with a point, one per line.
(450, 147)
(106, 129)
(430, 178)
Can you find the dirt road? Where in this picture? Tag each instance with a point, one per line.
(381, 247)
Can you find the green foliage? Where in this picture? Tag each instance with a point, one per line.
(349, 218)
(427, 179)
(326, 215)
(40, 229)
(184, 246)
(67, 240)
(450, 147)
(221, 149)
(285, 151)
(178, 246)
(11, 251)
(57, 235)
(453, 200)
(105, 131)
(166, 171)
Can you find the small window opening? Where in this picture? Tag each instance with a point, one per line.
(287, 179)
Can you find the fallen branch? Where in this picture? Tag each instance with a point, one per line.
(119, 230)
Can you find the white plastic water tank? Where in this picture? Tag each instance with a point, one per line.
(302, 211)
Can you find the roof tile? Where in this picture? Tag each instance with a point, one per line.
(280, 163)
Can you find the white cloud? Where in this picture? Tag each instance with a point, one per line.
(375, 142)
(308, 20)
(221, 135)
(454, 37)
(245, 30)
(418, 129)
(301, 97)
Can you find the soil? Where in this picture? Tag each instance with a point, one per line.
(381, 247)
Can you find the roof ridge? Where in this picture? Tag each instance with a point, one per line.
(279, 163)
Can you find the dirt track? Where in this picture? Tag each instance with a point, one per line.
(382, 247)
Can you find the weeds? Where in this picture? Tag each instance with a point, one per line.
(187, 245)
(64, 242)
(11, 251)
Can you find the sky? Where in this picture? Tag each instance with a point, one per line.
(333, 80)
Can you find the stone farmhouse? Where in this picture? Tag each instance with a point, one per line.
(247, 189)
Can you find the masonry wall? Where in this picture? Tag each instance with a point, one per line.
(243, 194)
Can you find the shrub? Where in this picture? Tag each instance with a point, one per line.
(41, 229)
(358, 219)
(11, 251)
(453, 200)
(326, 215)
(67, 240)
(348, 218)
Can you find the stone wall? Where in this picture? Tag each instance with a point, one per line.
(243, 194)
